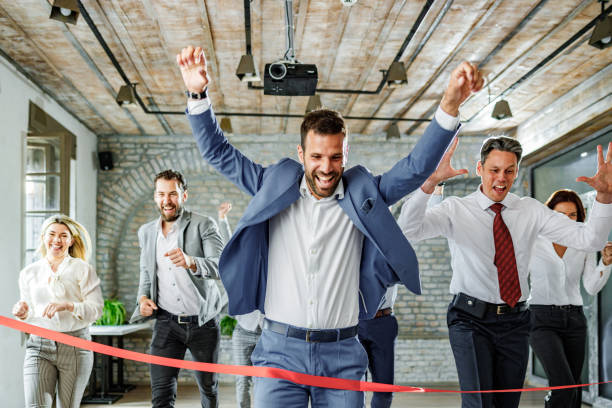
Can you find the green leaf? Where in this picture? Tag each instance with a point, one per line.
(113, 313)
(227, 325)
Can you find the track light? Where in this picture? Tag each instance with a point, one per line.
(314, 103)
(247, 70)
(126, 95)
(397, 74)
(66, 11)
(602, 33)
(393, 132)
(502, 110)
(226, 125)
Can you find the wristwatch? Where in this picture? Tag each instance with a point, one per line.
(197, 96)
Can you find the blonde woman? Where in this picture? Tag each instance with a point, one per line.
(60, 292)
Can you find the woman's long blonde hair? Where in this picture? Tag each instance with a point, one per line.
(81, 242)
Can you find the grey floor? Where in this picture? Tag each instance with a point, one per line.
(188, 397)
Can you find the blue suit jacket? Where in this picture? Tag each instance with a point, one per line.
(387, 257)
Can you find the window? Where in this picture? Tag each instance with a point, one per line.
(47, 176)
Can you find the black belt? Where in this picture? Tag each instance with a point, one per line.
(311, 336)
(479, 308)
(184, 319)
(567, 308)
(505, 308)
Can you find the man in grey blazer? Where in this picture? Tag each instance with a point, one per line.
(178, 265)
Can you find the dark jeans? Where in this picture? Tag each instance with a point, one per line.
(491, 353)
(558, 337)
(377, 336)
(171, 339)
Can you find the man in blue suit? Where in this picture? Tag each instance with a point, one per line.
(317, 246)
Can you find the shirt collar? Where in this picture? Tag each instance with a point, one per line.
(175, 224)
(338, 192)
(485, 202)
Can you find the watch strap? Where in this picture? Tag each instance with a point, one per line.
(197, 96)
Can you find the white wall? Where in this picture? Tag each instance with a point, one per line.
(15, 94)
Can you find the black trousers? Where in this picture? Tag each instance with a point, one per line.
(377, 336)
(558, 337)
(491, 353)
(171, 339)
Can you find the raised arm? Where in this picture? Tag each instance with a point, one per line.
(224, 227)
(421, 217)
(602, 180)
(411, 172)
(595, 275)
(214, 146)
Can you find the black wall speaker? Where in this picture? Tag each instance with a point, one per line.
(106, 160)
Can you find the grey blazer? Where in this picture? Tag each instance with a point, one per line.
(198, 237)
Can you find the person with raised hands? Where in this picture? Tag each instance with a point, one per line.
(491, 234)
(317, 247)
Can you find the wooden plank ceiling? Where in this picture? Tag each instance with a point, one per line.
(349, 45)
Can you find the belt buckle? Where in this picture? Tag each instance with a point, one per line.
(180, 319)
(500, 309)
(308, 336)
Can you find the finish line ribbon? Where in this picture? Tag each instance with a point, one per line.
(267, 372)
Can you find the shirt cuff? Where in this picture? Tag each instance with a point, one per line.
(196, 107)
(446, 121)
(77, 311)
(601, 210)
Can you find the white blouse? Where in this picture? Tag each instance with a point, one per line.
(556, 281)
(75, 281)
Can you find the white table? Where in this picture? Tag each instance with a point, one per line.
(110, 390)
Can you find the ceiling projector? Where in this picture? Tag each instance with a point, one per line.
(290, 79)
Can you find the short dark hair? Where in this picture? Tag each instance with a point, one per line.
(323, 122)
(171, 175)
(563, 196)
(501, 143)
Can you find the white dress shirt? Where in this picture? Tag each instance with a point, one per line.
(250, 321)
(556, 281)
(74, 281)
(313, 264)
(175, 290)
(389, 299)
(468, 224)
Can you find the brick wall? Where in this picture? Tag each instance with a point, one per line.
(125, 202)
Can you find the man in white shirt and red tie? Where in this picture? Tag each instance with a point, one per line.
(490, 235)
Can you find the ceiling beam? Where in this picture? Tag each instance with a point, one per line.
(513, 66)
(442, 67)
(56, 71)
(584, 103)
(121, 41)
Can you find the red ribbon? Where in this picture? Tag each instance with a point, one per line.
(269, 372)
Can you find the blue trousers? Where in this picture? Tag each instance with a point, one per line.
(490, 353)
(340, 359)
(377, 336)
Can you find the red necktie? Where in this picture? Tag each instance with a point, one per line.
(507, 273)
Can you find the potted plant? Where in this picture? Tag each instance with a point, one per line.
(113, 313)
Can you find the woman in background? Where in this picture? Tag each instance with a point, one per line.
(60, 292)
(558, 325)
